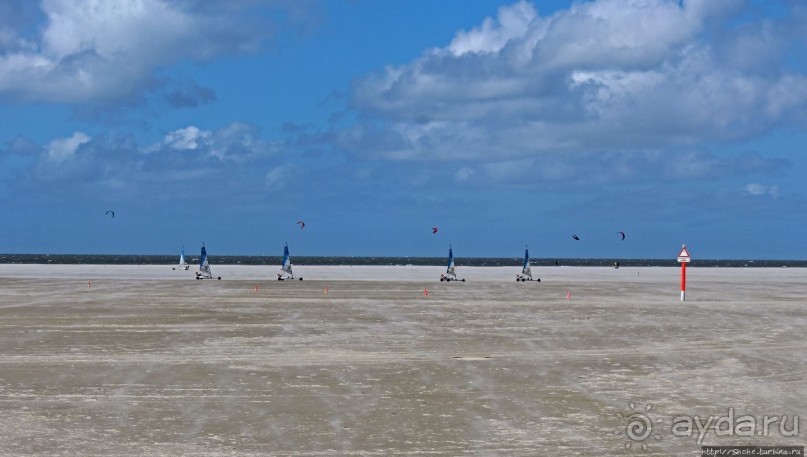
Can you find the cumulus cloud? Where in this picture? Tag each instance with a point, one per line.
(605, 75)
(93, 50)
(237, 142)
(493, 35)
(63, 149)
(96, 51)
(188, 138)
(189, 157)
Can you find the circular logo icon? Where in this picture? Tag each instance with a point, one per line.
(638, 426)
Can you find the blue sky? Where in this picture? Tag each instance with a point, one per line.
(503, 123)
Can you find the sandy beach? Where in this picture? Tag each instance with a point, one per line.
(144, 360)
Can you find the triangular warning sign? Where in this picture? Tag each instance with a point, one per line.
(683, 256)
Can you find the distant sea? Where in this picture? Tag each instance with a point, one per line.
(114, 259)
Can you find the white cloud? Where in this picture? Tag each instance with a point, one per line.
(492, 36)
(63, 149)
(605, 75)
(188, 138)
(237, 141)
(96, 51)
(119, 165)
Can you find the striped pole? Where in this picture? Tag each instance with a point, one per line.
(683, 281)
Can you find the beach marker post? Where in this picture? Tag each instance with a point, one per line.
(684, 259)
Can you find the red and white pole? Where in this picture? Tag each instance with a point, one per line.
(683, 281)
(684, 258)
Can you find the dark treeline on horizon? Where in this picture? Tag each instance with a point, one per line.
(118, 259)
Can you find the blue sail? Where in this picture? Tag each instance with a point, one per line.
(526, 266)
(525, 269)
(450, 268)
(204, 267)
(203, 258)
(286, 267)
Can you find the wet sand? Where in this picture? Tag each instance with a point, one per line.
(143, 360)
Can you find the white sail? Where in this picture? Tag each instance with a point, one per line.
(183, 265)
